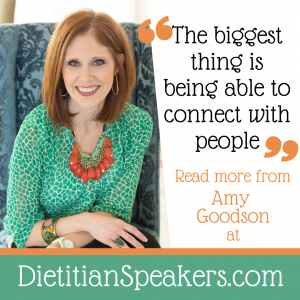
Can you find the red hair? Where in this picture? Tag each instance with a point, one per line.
(108, 33)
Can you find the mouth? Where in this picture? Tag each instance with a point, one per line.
(87, 90)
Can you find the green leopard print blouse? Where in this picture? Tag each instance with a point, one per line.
(42, 186)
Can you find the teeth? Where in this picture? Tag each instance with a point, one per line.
(87, 90)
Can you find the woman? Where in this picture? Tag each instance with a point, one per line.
(77, 157)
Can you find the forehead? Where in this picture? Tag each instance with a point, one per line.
(86, 45)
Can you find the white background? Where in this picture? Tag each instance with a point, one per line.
(31, 11)
(281, 62)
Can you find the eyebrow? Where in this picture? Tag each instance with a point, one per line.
(91, 58)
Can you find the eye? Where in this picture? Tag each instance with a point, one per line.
(98, 62)
(73, 63)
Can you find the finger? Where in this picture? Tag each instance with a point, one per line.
(130, 239)
(121, 246)
(111, 244)
(133, 230)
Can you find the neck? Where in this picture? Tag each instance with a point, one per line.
(84, 120)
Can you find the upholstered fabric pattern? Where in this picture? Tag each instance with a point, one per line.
(33, 42)
(22, 56)
(146, 207)
(8, 109)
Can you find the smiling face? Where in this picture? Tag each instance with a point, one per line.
(88, 71)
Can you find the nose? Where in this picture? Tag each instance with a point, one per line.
(86, 74)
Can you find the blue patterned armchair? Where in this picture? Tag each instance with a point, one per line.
(22, 54)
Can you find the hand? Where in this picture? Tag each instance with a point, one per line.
(106, 228)
(79, 239)
(54, 245)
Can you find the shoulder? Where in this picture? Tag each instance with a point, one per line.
(35, 125)
(136, 122)
(38, 116)
(30, 141)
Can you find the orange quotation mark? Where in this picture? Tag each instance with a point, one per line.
(163, 32)
(273, 143)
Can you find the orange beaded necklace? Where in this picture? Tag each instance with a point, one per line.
(95, 165)
(88, 167)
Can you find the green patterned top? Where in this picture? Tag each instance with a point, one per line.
(41, 185)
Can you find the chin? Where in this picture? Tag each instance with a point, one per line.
(89, 103)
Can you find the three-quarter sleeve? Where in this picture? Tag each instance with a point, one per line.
(24, 185)
(136, 135)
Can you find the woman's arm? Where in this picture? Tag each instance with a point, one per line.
(81, 239)
(104, 227)
(64, 226)
(83, 228)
